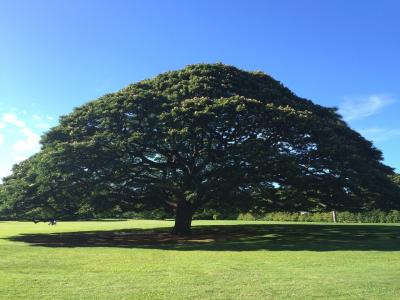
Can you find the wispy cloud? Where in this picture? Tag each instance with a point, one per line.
(361, 107)
(18, 141)
(20, 137)
(18, 158)
(4, 171)
(30, 140)
(11, 118)
(29, 143)
(36, 117)
(381, 134)
(42, 122)
(43, 125)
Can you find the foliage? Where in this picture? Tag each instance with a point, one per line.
(247, 217)
(396, 179)
(156, 214)
(373, 216)
(207, 135)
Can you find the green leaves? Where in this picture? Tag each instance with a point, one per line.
(208, 135)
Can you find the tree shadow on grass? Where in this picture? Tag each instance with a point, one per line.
(272, 237)
(106, 220)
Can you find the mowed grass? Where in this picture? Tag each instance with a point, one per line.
(136, 259)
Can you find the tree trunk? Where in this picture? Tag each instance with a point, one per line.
(183, 218)
(334, 216)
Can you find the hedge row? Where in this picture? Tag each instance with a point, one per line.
(373, 216)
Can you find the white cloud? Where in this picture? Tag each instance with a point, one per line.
(42, 122)
(381, 134)
(4, 171)
(361, 107)
(43, 125)
(18, 140)
(36, 117)
(19, 158)
(30, 143)
(12, 119)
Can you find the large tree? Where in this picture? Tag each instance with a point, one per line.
(205, 135)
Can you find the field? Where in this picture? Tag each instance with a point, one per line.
(134, 259)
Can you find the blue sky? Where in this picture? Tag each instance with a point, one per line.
(56, 55)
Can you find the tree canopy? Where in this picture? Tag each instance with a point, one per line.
(206, 135)
(396, 179)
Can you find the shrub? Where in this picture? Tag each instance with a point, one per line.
(246, 217)
(373, 216)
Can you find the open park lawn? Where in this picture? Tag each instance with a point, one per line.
(136, 259)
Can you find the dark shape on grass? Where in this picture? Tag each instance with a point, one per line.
(107, 220)
(272, 237)
(206, 136)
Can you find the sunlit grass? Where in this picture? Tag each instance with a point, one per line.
(227, 260)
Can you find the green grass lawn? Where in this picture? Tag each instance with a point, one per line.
(222, 260)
